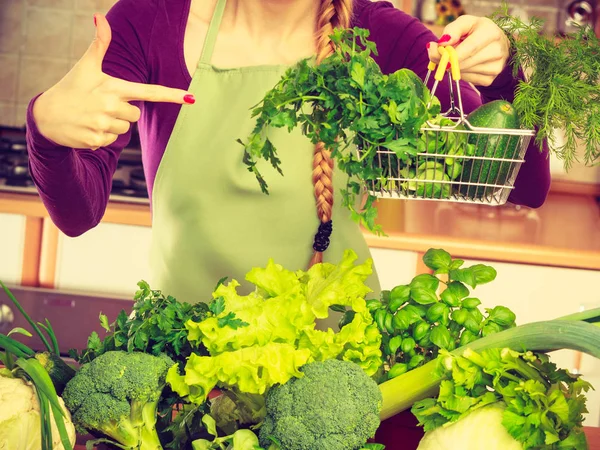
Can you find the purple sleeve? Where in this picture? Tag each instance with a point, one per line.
(405, 47)
(74, 184)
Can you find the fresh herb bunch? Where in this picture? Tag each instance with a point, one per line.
(563, 86)
(416, 323)
(156, 325)
(544, 406)
(348, 104)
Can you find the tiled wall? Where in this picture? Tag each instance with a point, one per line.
(40, 40)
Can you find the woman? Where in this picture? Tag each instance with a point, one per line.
(189, 70)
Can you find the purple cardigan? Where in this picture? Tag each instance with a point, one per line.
(147, 47)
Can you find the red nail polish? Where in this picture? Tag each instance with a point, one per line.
(444, 38)
(428, 45)
(448, 66)
(189, 99)
(95, 21)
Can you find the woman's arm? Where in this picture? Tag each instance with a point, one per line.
(402, 42)
(92, 108)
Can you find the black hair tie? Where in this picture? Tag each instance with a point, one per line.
(322, 237)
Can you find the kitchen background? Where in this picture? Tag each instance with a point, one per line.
(548, 260)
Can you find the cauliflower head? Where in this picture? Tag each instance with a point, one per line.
(20, 417)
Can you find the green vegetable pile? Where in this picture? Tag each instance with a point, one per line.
(255, 372)
(542, 407)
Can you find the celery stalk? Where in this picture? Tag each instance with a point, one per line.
(401, 392)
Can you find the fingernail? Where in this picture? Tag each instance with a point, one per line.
(448, 66)
(444, 38)
(428, 45)
(189, 99)
(95, 21)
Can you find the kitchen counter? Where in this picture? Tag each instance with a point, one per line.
(565, 232)
(592, 434)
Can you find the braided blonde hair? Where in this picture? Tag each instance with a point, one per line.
(332, 14)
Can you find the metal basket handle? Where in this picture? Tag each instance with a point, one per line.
(448, 62)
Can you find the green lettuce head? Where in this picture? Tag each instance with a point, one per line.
(279, 335)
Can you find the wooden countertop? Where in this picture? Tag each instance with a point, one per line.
(565, 232)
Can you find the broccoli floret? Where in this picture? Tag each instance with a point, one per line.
(117, 395)
(334, 406)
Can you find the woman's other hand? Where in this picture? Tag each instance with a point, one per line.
(481, 46)
(89, 109)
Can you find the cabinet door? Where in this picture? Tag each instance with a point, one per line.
(394, 267)
(12, 246)
(107, 259)
(537, 293)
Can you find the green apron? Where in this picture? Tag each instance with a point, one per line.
(210, 218)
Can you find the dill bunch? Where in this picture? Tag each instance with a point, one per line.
(563, 86)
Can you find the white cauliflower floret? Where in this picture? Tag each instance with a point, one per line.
(20, 417)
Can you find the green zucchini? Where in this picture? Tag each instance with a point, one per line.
(496, 114)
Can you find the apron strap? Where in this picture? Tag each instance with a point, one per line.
(213, 30)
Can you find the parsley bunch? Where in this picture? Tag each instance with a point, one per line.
(563, 86)
(349, 105)
(156, 325)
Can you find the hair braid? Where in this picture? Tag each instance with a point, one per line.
(332, 14)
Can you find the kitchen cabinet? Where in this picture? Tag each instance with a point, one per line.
(394, 267)
(538, 293)
(12, 246)
(108, 259)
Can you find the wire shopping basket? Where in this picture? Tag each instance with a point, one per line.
(461, 162)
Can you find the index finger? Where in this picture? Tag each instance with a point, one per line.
(130, 91)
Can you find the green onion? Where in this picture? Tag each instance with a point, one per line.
(22, 311)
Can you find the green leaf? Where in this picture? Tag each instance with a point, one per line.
(217, 306)
(202, 444)
(437, 259)
(440, 337)
(454, 293)
(394, 344)
(245, 440)
(230, 321)
(426, 281)
(338, 308)
(423, 296)
(104, 322)
(471, 303)
(220, 282)
(19, 330)
(358, 73)
(210, 425)
(502, 316)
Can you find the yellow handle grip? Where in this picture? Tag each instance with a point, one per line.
(454, 67)
(431, 66)
(439, 74)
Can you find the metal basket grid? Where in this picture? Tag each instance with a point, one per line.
(458, 175)
(464, 178)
